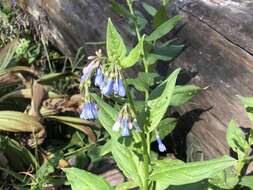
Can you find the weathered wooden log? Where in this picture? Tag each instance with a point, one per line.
(219, 56)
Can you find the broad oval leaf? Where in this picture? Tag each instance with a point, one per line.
(186, 173)
(81, 179)
(163, 29)
(116, 49)
(160, 100)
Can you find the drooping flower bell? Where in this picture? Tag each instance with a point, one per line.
(161, 146)
(89, 111)
(125, 122)
(99, 78)
(113, 83)
(95, 62)
(108, 87)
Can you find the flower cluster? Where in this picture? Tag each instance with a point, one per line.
(108, 78)
(89, 111)
(125, 121)
(113, 83)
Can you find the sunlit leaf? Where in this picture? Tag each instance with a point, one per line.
(128, 162)
(107, 115)
(247, 181)
(160, 99)
(143, 81)
(181, 174)
(13, 121)
(163, 29)
(81, 179)
(116, 49)
(236, 139)
(133, 56)
(183, 94)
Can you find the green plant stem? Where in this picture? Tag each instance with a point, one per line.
(145, 138)
(243, 161)
(146, 159)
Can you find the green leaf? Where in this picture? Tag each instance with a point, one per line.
(127, 185)
(120, 9)
(107, 115)
(116, 49)
(133, 56)
(52, 77)
(236, 139)
(201, 185)
(163, 29)
(164, 53)
(81, 179)
(160, 17)
(165, 127)
(248, 103)
(250, 140)
(183, 94)
(226, 179)
(128, 162)
(167, 53)
(181, 174)
(160, 99)
(13, 151)
(143, 81)
(15, 175)
(13, 121)
(247, 181)
(140, 20)
(149, 8)
(7, 53)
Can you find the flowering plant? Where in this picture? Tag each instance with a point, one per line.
(133, 124)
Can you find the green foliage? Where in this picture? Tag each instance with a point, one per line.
(180, 174)
(236, 139)
(72, 145)
(133, 56)
(80, 179)
(163, 29)
(129, 162)
(159, 101)
(247, 181)
(116, 49)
